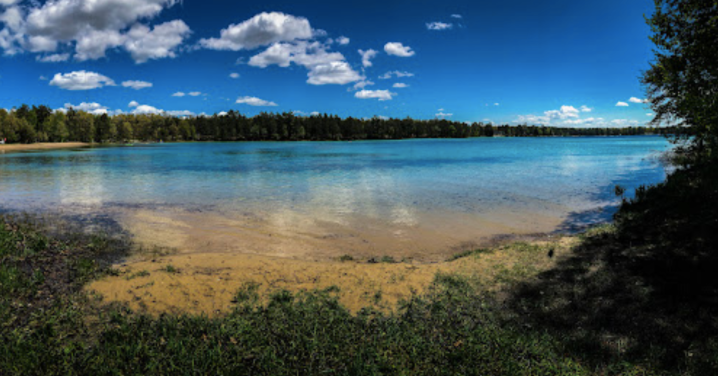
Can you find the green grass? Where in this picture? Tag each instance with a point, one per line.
(169, 268)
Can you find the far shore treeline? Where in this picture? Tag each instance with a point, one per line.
(41, 124)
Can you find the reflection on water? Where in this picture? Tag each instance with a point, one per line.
(296, 185)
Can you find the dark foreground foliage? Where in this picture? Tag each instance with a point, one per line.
(645, 292)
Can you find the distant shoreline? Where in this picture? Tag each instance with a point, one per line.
(41, 146)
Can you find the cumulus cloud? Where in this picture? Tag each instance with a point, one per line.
(160, 42)
(637, 100)
(335, 72)
(400, 85)
(366, 57)
(397, 74)
(54, 58)
(93, 108)
(443, 115)
(382, 95)
(254, 101)
(234, 75)
(133, 104)
(565, 114)
(324, 67)
(261, 30)
(621, 104)
(179, 94)
(585, 109)
(457, 16)
(398, 49)
(137, 85)
(362, 84)
(438, 26)
(625, 123)
(194, 93)
(93, 27)
(81, 80)
(145, 109)
(288, 38)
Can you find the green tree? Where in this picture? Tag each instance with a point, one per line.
(681, 83)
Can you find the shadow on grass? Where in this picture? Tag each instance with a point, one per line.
(642, 291)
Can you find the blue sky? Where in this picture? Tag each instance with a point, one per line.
(559, 63)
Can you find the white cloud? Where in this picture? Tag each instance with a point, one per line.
(260, 30)
(81, 80)
(625, 123)
(179, 94)
(366, 57)
(649, 114)
(588, 121)
(144, 109)
(12, 18)
(92, 27)
(443, 115)
(180, 113)
(382, 95)
(637, 100)
(254, 101)
(362, 84)
(343, 40)
(398, 49)
(195, 94)
(585, 109)
(93, 108)
(234, 75)
(324, 67)
(564, 113)
(456, 16)
(441, 110)
(160, 42)
(397, 74)
(496, 104)
(315, 113)
(137, 85)
(54, 58)
(400, 85)
(133, 104)
(438, 26)
(8, 2)
(621, 104)
(335, 72)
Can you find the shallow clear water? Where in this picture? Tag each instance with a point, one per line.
(374, 179)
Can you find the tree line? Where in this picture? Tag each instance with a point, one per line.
(41, 124)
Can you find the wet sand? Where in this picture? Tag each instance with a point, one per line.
(419, 238)
(206, 283)
(41, 146)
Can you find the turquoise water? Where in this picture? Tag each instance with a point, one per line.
(561, 176)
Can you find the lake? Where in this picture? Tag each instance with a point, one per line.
(417, 199)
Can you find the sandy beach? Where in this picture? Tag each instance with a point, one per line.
(207, 282)
(41, 146)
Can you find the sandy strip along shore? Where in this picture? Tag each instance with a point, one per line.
(41, 146)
